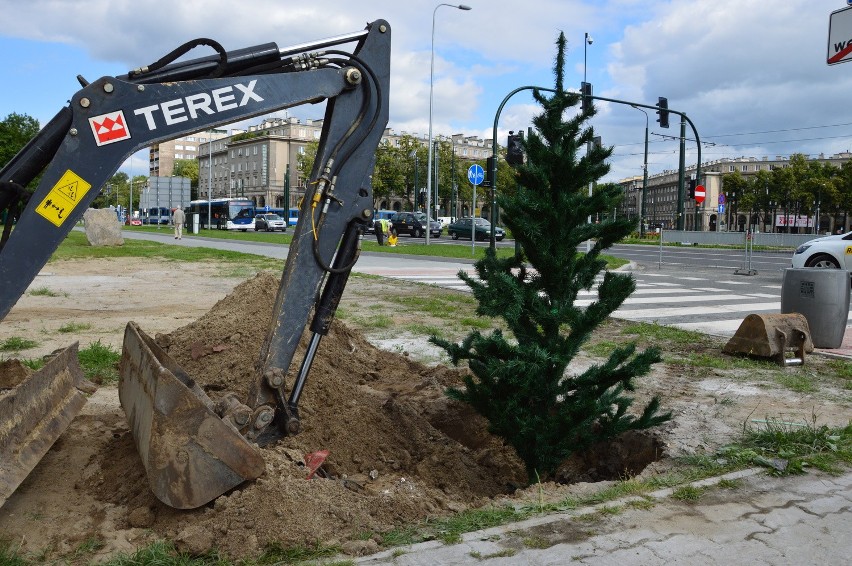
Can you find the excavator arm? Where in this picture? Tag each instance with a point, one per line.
(194, 449)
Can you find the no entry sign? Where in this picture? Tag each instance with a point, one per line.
(700, 193)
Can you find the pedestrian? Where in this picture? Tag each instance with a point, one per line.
(380, 232)
(178, 217)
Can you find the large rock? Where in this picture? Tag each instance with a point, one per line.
(102, 227)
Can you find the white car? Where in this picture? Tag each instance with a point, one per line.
(830, 251)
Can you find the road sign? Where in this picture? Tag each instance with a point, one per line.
(475, 174)
(840, 36)
(700, 193)
(722, 195)
(721, 208)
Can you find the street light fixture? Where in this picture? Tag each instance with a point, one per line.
(431, 89)
(588, 42)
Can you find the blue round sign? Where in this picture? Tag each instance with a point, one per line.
(475, 174)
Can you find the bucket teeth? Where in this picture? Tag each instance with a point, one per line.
(35, 412)
(191, 456)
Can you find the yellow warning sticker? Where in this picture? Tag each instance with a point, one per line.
(848, 250)
(63, 197)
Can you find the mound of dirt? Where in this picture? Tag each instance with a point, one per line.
(399, 449)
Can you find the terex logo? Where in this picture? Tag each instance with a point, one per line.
(182, 109)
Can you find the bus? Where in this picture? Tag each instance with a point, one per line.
(224, 213)
(157, 215)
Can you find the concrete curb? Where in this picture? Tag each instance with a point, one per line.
(474, 538)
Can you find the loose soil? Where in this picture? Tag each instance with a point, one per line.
(399, 450)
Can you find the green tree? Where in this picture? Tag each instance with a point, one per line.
(187, 168)
(305, 159)
(520, 385)
(15, 131)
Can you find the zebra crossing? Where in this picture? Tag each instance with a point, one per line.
(682, 301)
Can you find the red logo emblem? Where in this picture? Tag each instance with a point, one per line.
(109, 128)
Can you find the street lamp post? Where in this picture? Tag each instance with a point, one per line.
(587, 41)
(642, 215)
(416, 184)
(431, 90)
(209, 176)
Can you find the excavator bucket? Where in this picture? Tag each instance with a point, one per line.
(191, 456)
(773, 336)
(34, 411)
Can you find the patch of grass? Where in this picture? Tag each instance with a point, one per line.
(423, 329)
(450, 529)
(46, 292)
(536, 542)
(76, 246)
(34, 364)
(100, 363)
(643, 504)
(799, 382)
(600, 349)
(728, 484)
(507, 553)
(374, 321)
(74, 327)
(16, 344)
(297, 554)
(163, 553)
(719, 361)
(10, 556)
(789, 448)
(88, 546)
(476, 322)
(843, 372)
(656, 333)
(433, 305)
(688, 493)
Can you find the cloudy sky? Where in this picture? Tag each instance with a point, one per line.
(750, 74)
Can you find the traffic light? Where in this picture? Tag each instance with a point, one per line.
(663, 112)
(489, 167)
(692, 184)
(586, 92)
(515, 149)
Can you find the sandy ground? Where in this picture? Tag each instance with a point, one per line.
(400, 451)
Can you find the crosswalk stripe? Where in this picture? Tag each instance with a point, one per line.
(699, 310)
(671, 302)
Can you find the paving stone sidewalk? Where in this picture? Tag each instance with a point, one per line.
(760, 519)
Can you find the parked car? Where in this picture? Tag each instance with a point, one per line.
(270, 222)
(462, 228)
(414, 224)
(830, 251)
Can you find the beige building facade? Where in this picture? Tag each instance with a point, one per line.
(261, 162)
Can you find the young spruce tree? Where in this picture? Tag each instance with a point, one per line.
(520, 385)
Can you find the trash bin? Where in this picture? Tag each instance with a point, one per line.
(822, 295)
